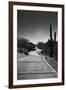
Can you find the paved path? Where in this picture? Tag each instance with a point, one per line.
(34, 67)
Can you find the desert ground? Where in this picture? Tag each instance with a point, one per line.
(34, 66)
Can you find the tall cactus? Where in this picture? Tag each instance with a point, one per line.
(54, 36)
(50, 32)
(51, 41)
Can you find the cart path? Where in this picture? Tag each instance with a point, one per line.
(34, 67)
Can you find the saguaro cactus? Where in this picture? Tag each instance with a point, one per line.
(54, 36)
(50, 32)
(51, 41)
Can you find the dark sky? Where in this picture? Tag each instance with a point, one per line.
(35, 25)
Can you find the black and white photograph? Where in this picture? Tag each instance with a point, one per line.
(36, 44)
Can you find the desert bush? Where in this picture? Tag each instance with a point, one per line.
(40, 45)
(46, 48)
(24, 46)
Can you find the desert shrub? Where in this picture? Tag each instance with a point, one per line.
(22, 43)
(46, 48)
(40, 45)
(24, 46)
(31, 47)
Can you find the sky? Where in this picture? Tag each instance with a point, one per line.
(35, 25)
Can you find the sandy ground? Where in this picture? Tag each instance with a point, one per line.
(34, 67)
(52, 62)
